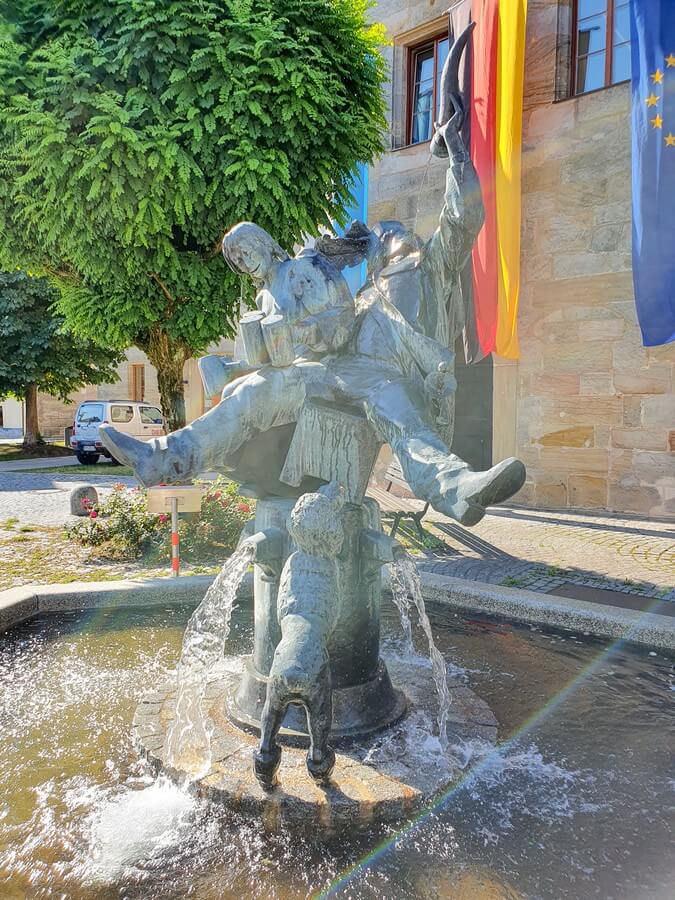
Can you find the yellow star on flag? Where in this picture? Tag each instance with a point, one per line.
(657, 77)
(670, 140)
(657, 121)
(670, 61)
(652, 100)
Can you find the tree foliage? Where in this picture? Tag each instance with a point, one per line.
(38, 351)
(133, 133)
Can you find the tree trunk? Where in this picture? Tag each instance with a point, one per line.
(31, 435)
(169, 357)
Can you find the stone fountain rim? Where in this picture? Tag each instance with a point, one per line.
(513, 604)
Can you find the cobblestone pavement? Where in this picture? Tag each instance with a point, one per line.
(541, 550)
(535, 549)
(42, 499)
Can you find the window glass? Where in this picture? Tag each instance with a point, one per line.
(602, 44)
(150, 415)
(90, 414)
(121, 414)
(591, 8)
(422, 113)
(621, 66)
(442, 48)
(621, 24)
(591, 35)
(591, 73)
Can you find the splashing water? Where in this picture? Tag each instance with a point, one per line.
(406, 587)
(188, 740)
(402, 601)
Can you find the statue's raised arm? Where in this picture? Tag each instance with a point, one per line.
(463, 213)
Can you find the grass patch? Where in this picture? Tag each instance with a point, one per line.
(14, 452)
(106, 471)
(408, 535)
(46, 556)
(515, 582)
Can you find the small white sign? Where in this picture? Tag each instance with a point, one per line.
(189, 497)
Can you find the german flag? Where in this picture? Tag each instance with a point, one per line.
(494, 86)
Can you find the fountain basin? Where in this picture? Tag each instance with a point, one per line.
(548, 812)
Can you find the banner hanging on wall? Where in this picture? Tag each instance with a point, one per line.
(653, 154)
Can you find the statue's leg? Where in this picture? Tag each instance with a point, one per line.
(249, 405)
(268, 757)
(319, 707)
(396, 409)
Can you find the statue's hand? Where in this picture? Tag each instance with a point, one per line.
(447, 139)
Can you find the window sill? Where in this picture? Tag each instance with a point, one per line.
(410, 146)
(606, 87)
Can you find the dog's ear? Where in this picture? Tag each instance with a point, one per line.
(335, 493)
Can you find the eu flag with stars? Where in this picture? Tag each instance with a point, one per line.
(653, 87)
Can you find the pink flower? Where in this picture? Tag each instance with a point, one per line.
(93, 514)
(163, 518)
(85, 502)
(243, 507)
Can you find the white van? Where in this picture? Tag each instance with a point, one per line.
(141, 420)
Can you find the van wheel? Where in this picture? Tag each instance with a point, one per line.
(88, 459)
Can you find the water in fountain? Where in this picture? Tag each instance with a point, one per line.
(406, 587)
(188, 740)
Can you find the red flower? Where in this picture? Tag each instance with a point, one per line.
(243, 507)
(163, 518)
(217, 495)
(93, 514)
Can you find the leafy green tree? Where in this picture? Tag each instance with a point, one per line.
(133, 133)
(39, 353)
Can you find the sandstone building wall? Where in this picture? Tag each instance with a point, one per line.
(589, 410)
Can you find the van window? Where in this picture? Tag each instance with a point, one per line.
(150, 415)
(121, 414)
(90, 414)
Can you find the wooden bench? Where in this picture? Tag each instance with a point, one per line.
(395, 506)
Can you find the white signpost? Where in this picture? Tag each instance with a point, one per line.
(175, 498)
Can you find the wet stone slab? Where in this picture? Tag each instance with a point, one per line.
(387, 777)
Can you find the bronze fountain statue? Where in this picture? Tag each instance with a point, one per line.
(326, 381)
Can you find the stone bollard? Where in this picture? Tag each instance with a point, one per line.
(80, 493)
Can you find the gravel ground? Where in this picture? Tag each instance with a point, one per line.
(42, 499)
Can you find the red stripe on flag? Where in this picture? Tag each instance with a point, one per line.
(483, 130)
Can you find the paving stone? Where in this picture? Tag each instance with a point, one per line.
(541, 550)
(42, 499)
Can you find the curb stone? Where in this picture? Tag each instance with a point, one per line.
(651, 629)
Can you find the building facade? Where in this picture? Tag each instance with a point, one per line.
(138, 381)
(589, 410)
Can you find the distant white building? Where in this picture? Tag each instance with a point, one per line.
(138, 381)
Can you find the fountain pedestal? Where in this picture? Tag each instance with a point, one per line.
(377, 778)
(364, 699)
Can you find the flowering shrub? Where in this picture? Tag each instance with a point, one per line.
(121, 527)
(216, 530)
